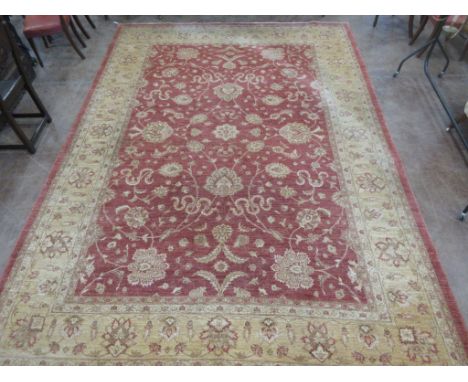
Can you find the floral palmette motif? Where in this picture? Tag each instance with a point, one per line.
(81, 177)
(393, 251)
(228, 91)
(222, 233)
(119, 336)
(55, 244)
(289, 72)
(269, 329)
(171, 170)
(195, 146)
(169, 328)
(274, 54)
(293, 269)
(297, 133)
(170, 72)
(157, 132)
(147, 267)
(226, 132)
(136, 217)
(308, 219)
(182, 99)
(72, 326)
(272, 100)
(223, 182)
(187, 53)
(277, 170)
(219, 337)
(318, 342)
(255, 146)
(26, 331)
(419, 344)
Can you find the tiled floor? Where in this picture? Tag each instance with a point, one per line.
(435, 165)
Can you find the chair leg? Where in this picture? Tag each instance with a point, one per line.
(17, 129)
(77, 35)
(81, 27)
(422, 25)
(44, 40)
(434, 33)
(465, 49)
(376, 19)
(463, 214)
(37, 101)
(90, 21)
(410, 26)
(33, 46)
(66, 31)
(462, 118)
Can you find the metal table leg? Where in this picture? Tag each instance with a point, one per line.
(454, 124)
(447, 59)
(421, 49)
(463, 214)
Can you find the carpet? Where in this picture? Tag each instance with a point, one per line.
(229, 194)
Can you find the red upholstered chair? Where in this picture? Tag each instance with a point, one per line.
(454, 26)
(42, 26)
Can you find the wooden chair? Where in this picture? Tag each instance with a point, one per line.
(12, 85)
(44, 26)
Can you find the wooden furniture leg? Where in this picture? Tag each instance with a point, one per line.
(34, 48)
(434, 33)
(81, 27)
(376, 19)
(44, 40)
(66, 31)
(410, 26)
(462, 118)
(17, 129)
(422, 24)
(75, 32)
(465, 49)
(91, 22)
(37, 101)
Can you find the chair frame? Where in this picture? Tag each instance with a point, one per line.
(67, 33)
(10, 116)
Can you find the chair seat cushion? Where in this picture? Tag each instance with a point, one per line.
(452, 21)
(456, 21)
(35, 26)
